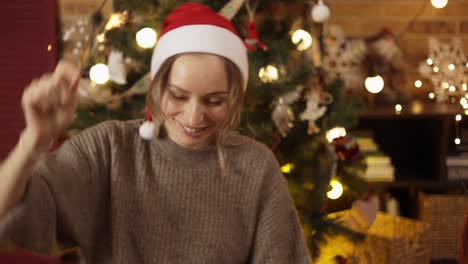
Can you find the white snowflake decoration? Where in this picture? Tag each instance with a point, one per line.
(447, 68)
(343, 61)
(387, 48)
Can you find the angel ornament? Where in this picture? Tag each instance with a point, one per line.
(283, 115)
(315, 109)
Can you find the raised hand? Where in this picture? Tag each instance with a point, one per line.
(49, 104)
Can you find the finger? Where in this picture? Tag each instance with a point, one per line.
(51, 95)
(74, 85)
(65, 71)
(70, 92)
(26, 97)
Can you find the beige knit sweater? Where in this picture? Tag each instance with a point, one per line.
(121, 199)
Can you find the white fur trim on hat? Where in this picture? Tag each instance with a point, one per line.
(205, 39)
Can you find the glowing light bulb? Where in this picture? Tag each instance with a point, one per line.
(287, 168)
(101, 37)
(374, 84)
(431, 95)
(335, 133)
(458, 117)
(268, 74)
(452, 88)
(439, 3)
(445, 85)
(336, 191)
(451, 67)
(302, 39)
(49, 47)
(457, 141)
(116, 20)
(435, 69)
(430, 61)
(463, 101)
(464, 86)
(418, 84)
(146, 38)
(99, 73)
(398, 107)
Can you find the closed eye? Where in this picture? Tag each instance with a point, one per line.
(215, 101)
(177, 96)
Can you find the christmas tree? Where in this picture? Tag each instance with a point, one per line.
(292, 103)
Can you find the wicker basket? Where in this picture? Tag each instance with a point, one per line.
(389, 240)
(446, 216)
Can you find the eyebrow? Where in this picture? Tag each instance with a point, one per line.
(186, 92)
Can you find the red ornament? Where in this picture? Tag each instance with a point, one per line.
(346, 147)
(341, 260)
(252, 41)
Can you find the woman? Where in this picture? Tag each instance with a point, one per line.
(193, 192)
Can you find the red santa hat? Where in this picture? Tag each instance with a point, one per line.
(193, 27)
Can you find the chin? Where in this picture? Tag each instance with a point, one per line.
(187, 139)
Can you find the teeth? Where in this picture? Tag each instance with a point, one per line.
(191, 130)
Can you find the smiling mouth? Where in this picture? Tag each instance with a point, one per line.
(191, 131)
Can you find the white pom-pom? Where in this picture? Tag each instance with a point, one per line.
(320, 12)
(147, 130)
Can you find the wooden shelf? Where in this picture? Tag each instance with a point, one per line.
(433, 185)
(414, 109)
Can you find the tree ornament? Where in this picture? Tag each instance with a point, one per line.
(117, 67)
(341, 260)
(268, 74)
(346, 148)
(364, 213)
(320, 12)
(282, 114)
(314, 110)
(283, 117)
(231, 8)
(252, 41)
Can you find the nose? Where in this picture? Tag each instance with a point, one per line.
(195, 112)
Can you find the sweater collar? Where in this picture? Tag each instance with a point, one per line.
(205, 157)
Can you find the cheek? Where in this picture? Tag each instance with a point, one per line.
(219, 115)
(169, 108)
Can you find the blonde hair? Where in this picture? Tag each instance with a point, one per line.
(235, 99)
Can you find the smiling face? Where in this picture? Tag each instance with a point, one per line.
(195, 99)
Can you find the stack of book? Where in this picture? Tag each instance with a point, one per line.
(379, 165)
(457, 167)
(457, 163)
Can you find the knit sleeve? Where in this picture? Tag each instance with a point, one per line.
(278, 237)
(65, 201)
